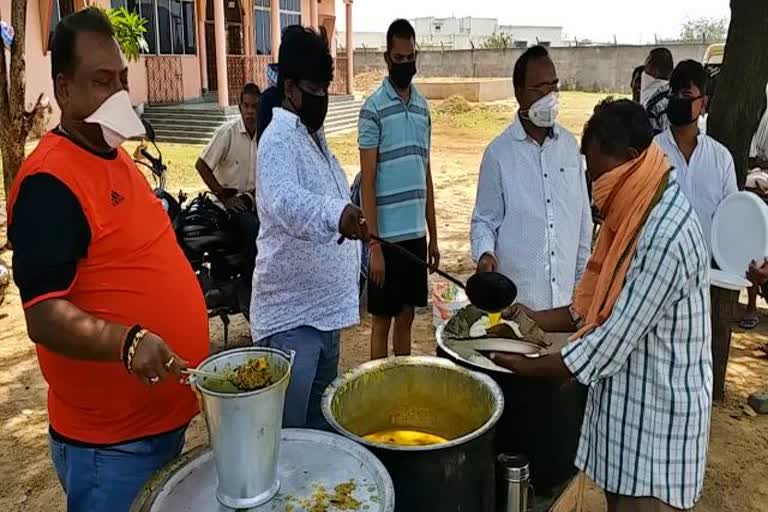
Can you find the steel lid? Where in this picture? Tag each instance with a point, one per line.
(514, 466)
(308, 458)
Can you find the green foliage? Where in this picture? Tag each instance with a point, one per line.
(129, 31)
(499, 40)
(704, 29)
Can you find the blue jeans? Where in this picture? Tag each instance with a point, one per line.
(314, 367)
(108, 479)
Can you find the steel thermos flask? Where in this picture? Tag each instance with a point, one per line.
(513, 483)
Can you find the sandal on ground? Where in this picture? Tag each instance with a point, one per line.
(749, 322)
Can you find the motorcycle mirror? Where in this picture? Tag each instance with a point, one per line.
(150, 135)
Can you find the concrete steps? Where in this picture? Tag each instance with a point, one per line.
(195, 123)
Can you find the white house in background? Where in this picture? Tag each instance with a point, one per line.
(367, 40)
(525, 36)
(462, 34)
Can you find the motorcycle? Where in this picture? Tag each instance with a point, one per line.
(210, 240)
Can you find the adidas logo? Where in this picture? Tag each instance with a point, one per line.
(116, 198)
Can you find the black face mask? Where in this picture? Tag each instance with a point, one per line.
(402, 73)
(313, 110)
(680, 110)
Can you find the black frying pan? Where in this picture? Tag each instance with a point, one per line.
(490, 291)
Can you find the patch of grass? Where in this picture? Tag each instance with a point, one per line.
(344, 146)
(180, 159)
(480, 122)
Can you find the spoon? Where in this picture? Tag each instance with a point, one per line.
(490, 291)
(202, 373)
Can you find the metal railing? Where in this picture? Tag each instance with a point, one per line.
(242, 69)
(339, 84)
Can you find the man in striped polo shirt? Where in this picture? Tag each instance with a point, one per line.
(397, 194)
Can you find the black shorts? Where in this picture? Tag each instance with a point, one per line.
(405, 282)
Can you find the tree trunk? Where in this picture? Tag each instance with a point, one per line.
(13, 157)
(15, 120)
(740, 95)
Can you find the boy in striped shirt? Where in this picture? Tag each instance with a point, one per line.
(397, 195)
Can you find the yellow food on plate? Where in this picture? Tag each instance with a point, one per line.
(402, 437)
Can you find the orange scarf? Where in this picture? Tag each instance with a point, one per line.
(625, 196)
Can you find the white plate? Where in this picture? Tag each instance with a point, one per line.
(728, 281)
(500, 345)
(740, 232)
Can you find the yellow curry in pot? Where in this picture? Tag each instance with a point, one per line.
(404, 437)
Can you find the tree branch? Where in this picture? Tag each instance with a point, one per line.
(31, 116)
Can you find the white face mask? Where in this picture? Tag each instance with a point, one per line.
(544, 112)
(650, 86)
(117, 119)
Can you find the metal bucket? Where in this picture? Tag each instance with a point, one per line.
(244, 428)
(431, 395)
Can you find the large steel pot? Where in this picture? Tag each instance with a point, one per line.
(432, 395)
(542, 419)
(244, 428)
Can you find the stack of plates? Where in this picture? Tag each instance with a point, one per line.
(739, 236)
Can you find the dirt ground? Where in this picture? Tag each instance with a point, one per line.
(738, 462)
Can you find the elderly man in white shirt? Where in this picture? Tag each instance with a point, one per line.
(305, 286)
(704, 167)
(532, 219)
(227, 166)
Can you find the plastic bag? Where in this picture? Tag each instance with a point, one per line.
(447, 299)
(7, 34)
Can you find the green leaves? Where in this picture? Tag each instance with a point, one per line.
(129, 31)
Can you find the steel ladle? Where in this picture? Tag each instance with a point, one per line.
(490, 291)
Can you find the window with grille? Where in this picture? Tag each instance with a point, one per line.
(59, 9)
(262, 27)
(170, 24)
(290, 13)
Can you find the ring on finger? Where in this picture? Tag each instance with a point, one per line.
(154, 380)
(170, 363)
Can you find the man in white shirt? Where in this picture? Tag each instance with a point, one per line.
(532, 219)
(758, 151)
(228, 162)
(227, 165)
(757, 182)
(305, 286)
(704, 167)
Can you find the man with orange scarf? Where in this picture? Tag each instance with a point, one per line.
(640, 314)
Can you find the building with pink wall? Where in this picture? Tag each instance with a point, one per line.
(196, 46)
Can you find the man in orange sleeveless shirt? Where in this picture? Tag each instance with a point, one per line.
(110, 301)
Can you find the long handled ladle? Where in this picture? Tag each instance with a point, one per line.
(490, 291)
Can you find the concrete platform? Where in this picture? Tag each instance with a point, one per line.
(472, 89)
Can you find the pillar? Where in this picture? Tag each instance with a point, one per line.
(249, 43)
(202, 55)
(313, 16)
(350, 49)
(221, 52)
(274, 11)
